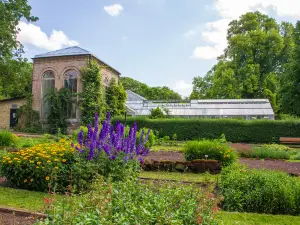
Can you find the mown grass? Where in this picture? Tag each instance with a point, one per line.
(187, 177)
(232, 218)
(23, 199)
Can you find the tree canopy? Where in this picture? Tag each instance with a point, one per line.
(151, 93)
(15, 72)
(255, 61)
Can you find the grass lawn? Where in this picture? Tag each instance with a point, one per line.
(156, 148)
(189, 177)
(293, 160)
(232, 218)
(23, 199)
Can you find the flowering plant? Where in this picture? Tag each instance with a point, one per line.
(113, 141)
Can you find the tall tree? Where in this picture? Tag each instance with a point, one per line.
(115, 98)
(291, 90)
(11, 12)
(15, 72)
(252, 64)
(153, 93)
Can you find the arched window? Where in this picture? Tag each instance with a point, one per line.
(70, 82)
(48, 84)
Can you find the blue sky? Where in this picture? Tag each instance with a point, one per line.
(158, 42)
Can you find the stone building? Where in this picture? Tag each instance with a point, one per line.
(61, 68)
(56, 69)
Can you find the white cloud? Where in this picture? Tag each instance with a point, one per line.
(32, 34)
(215, 32)
(113, 10)
(182, 87)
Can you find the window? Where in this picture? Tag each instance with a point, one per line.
(70, 82)
(48, 84)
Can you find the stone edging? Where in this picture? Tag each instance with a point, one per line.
(20, 212)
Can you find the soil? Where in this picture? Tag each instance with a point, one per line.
(281, 165)
(11, 219)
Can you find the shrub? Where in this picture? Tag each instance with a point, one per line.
(207, 149)
(277, 147)
(297, 157)
(239, 131)
(156, 113)
(38, 167)
(7, 139)
(260, 191)
(265, 153)
(130, 202)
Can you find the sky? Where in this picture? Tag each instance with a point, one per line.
(158, 42)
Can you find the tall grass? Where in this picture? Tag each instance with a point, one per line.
(7, 139)
(265, 153)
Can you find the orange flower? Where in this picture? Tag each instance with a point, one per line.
(25, 181)
(199, 220)
(47, 178)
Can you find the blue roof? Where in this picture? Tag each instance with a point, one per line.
(74, 50)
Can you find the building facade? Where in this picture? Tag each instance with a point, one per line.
(61, 69)
(249, 109)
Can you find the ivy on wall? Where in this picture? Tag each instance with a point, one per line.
(92, 97)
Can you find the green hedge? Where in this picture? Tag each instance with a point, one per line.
(254, 131)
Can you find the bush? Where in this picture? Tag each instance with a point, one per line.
(297, 157)
(40, 167)
(265, 153)
(260, 191)
(7, 139)
(253, 131)
(277, 147)
(207, 149)
(156, 113)
(130, 202)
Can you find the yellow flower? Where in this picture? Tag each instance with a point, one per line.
(37, 167)
(25, 180)
(56, 167)
(49, 161)
(38, 163)
(64, 160)
(47, 178)
(31, 161)
(55, 160)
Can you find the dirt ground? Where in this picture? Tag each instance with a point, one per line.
(11, 219)
(281, 165)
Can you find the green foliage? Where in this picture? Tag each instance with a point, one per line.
(297, 156)
(15, 78)
(28, 119)
(239, 131)
(259, 191)
(15, 73)
(92, 97)
(156, 113)
(58, 102)
(7, 139)
(115, 96)
(152, 93)
(207, 149)
(291, 90)
(151, 139)
(174, 137)
(277, 147)
(265, 153)
(76, 132)
(116, 203)
(255, 62)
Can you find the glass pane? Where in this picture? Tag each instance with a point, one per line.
(48, 75)
(70, 82)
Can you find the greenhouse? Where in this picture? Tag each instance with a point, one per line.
(249, 109)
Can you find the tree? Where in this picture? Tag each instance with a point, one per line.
(252, 63)
(291, 90)
(156, 113)
(11, 12)
(92, 97)
(15, 72)
(15, 78)
(115, 98)
(151, 93)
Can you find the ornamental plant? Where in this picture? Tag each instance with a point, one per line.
(40, 167)
(207, 149)
(115, 152)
